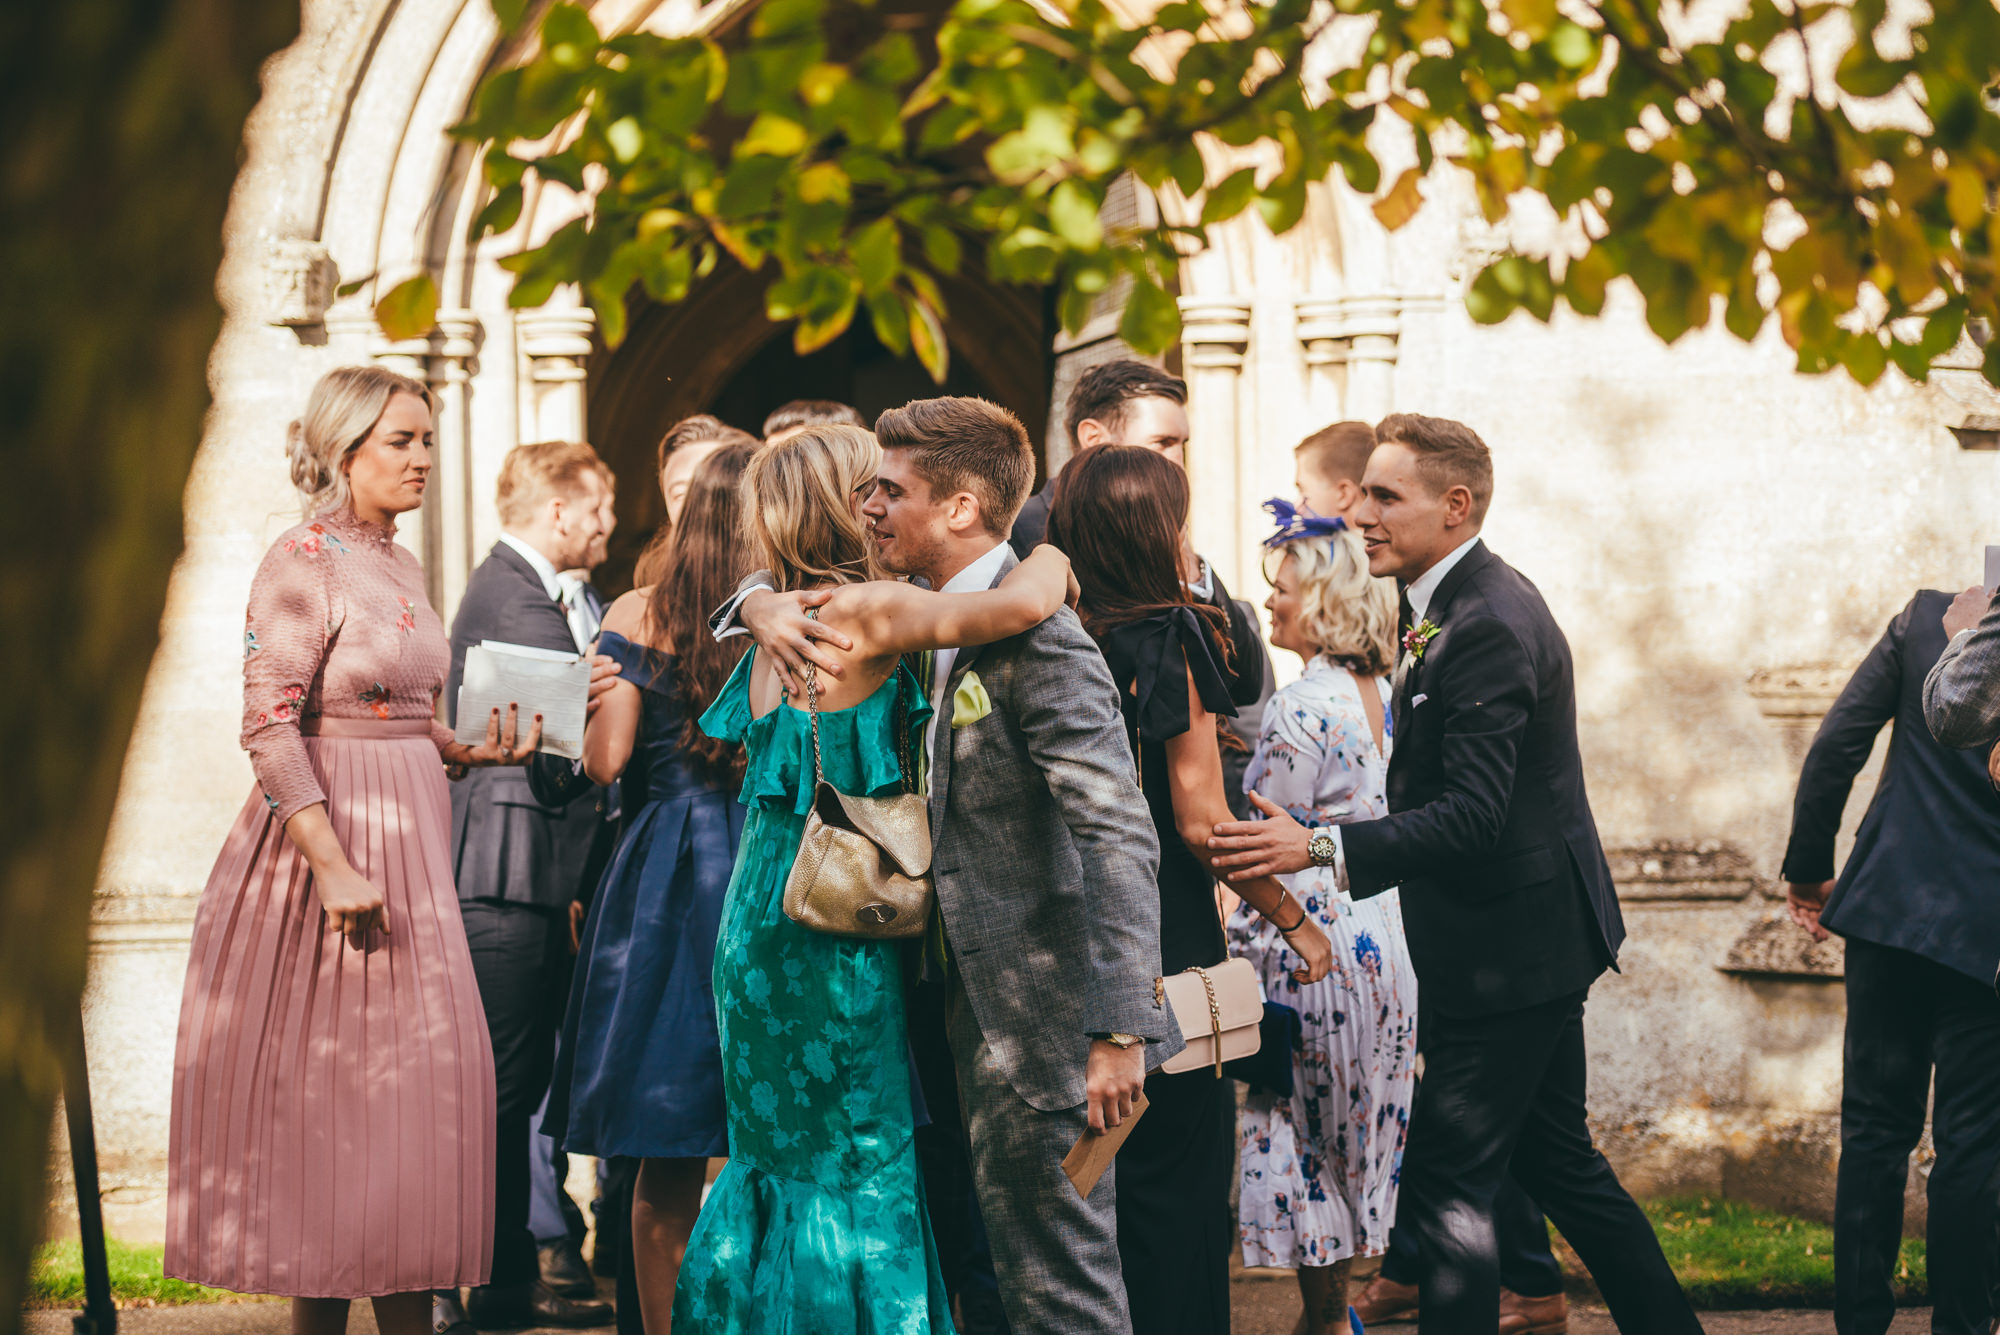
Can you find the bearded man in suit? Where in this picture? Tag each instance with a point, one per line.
(1507, 898)
(517, 858)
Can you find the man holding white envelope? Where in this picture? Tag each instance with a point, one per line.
(515, 858)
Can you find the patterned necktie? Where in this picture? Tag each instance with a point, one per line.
(937, 952)
(583, 626)
(923, 665)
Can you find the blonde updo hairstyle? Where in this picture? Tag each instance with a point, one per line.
(1344, 612)
(343, 408)
(796, 511)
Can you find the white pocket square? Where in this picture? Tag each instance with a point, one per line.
(1418, 699)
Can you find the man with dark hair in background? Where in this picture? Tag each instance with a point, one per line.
(788, 419)
(1130, 403)
(1115, 403)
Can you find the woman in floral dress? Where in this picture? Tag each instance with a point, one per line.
(1320, 1167)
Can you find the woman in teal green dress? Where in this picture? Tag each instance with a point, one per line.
(817, 1224)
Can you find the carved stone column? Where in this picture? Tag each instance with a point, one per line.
(555, 344)
(450, 500)
(1322, 332)
(1215, 334)
(1350, 349)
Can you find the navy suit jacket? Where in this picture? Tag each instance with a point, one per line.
(1924, 875)
(506, 843)
(1507, 897)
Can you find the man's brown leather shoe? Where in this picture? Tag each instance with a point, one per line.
(1533, 1316)
(1385, 1300)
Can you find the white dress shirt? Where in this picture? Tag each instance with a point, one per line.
(567, 590)
(1420, 591)
(543, 566)
(1425, 586)
(974, 578)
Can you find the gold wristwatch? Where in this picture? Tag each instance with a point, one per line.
(1322, 849)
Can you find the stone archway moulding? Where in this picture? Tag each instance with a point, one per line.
(1325, 337)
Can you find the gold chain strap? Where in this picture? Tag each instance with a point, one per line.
(1214, 1015)
(901, 722)
(812, 701)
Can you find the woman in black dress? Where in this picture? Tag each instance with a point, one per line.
(1118, 513)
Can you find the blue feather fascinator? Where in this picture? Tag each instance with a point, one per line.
(1295, 523)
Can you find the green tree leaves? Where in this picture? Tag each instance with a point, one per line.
(853, 159)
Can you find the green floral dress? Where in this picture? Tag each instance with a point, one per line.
(817, 1225)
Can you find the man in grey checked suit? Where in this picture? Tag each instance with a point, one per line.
(1045, 861)
(1962, 693)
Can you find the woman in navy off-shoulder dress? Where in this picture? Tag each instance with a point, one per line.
(640, 1067)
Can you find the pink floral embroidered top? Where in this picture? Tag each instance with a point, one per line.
(339, 626)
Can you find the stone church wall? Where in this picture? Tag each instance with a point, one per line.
(1721, 538)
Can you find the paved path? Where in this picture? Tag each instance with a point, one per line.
(1265, 1305)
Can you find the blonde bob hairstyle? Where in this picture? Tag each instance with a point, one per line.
(797, 511)
(1344, 612)
(343, 408)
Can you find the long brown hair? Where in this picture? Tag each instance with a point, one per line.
(701, 429)
(705, 560)
(1118, 514)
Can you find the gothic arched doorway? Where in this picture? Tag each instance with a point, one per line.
(715, 352)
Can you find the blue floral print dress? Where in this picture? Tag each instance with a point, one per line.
(817, 1225)
(1320, 1169)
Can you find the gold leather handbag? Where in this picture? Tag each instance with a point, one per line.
(1219, 1010)
(864, 863)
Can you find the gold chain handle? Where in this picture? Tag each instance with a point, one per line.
(1214, 1015)
(812, 701)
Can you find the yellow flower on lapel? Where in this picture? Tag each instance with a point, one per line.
(970, 703)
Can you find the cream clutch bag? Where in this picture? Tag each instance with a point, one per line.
(1219, 1010)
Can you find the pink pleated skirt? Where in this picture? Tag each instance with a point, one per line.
(332, 1132)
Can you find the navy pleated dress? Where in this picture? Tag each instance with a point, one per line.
(639, 1068)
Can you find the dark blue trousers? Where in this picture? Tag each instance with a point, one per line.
(1504, 1094)
(1907, 1018)
(1527, 1265)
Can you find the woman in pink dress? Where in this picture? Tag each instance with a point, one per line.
(333, 1083)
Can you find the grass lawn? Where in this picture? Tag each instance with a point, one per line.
(1728, 1256)
(1732, 1256)
(56, 1278)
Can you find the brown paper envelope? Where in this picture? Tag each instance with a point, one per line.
(1093, 1153)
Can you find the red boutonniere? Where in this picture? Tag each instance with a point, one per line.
(1418, 638)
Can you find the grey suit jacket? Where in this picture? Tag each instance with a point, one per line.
(1962, 692)
(1046, 860)
(506, 844)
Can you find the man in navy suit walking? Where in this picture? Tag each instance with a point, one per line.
(1915, 904)
(1507, 899)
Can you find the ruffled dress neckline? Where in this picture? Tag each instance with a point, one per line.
(780, 743)
(347, 523)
